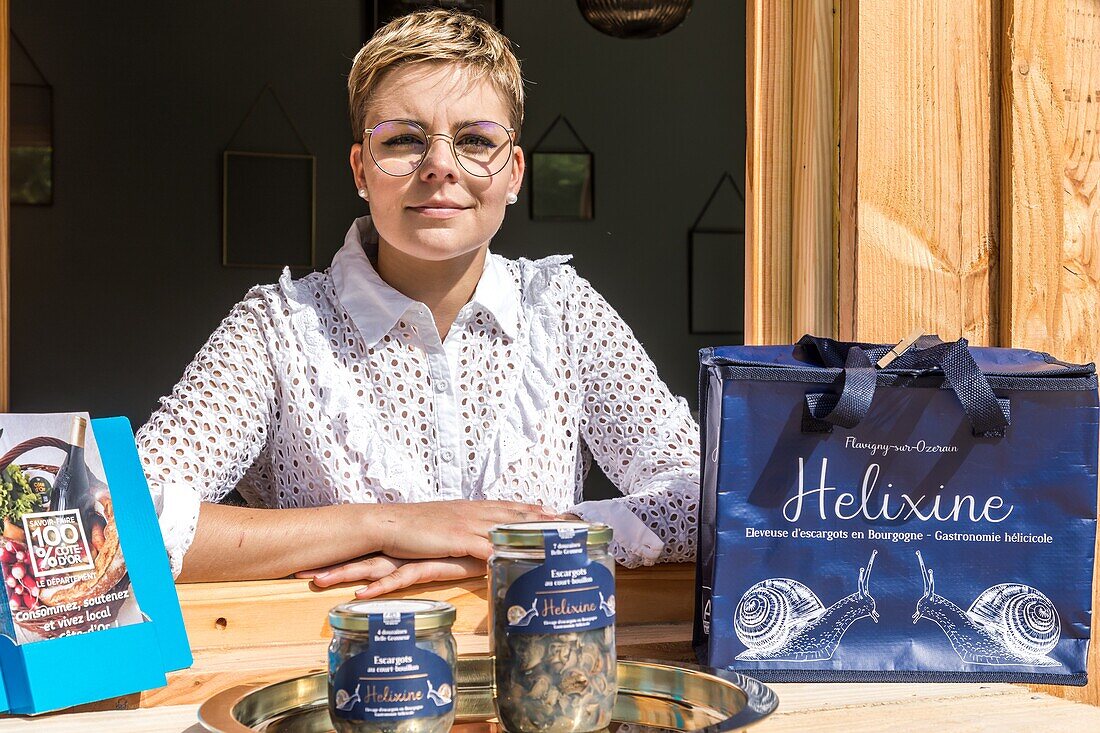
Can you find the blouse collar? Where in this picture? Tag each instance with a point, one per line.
(375, 307)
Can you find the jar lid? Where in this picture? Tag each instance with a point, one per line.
(529, 534)
(355, 615)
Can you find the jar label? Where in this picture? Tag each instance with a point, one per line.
(568, 592)
(394, 679)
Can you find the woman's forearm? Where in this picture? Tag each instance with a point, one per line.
(244, 543)
(238, 543)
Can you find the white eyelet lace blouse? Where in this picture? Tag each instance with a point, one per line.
(335, 388)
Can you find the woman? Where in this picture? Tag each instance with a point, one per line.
(422, 389)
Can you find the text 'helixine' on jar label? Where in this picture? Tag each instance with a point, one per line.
(568, 592)
(394, 679)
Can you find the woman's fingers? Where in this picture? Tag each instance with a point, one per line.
(423, 571)
(409, 574)
(307, 574)
(387, 574)
(371, 568)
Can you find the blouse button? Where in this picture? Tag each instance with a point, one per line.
(447, 455)
(441, 385)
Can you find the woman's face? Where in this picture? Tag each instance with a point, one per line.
(440, 211)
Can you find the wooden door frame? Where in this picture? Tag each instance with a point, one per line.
(5, 210)
(791, 164)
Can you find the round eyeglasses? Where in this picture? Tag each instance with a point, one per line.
(398, 147)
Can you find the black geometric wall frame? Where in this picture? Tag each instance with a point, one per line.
(562, 186)
(562, 180)
(31, 149)
(269, 210)
(269, 197)
(716, 271)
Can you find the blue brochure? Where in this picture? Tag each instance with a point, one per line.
(85, 573)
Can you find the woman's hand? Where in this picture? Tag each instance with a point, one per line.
(448, 529)
(427, 542)
(385, 574)
(243, 543)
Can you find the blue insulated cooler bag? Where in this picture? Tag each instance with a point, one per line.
(932, 519)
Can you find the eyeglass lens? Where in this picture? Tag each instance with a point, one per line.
(398, 148)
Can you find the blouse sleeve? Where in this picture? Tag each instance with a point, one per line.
(642, 437)
(198, 444)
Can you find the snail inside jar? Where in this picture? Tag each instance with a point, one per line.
(391, 667)
(552, 586)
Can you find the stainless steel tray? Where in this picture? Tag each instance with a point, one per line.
(652, 695)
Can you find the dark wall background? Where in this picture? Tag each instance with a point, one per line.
(119, 282)
(665, 118)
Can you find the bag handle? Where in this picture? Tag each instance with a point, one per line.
(987, 415)
(28, 445)
(848, 410)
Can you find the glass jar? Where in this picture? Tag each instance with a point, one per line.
(391, 667)
(552, 587)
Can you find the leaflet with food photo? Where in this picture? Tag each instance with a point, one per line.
(60, 557)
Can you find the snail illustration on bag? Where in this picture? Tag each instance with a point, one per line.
(1007, 624)
(780, 619)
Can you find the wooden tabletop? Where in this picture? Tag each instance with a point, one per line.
(266, 631)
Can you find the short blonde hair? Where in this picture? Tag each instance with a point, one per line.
(441, 36)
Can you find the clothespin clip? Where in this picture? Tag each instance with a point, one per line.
(888, 358)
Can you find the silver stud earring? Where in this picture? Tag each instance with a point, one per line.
(511, 198)
(363, 194)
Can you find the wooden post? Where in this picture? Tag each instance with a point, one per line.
(768, 173)
(1079, 332)
(813, 151)
(1033, 121)
(847, 276)
(1079, 315)
(791, 170)
(919, 204)
(1050, 137)
(1051, 202)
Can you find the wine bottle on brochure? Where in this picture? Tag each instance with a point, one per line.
(73, 487)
